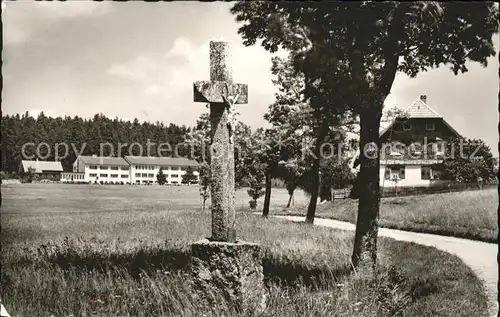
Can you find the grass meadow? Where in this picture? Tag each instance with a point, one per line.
(90, 250)
(469, 214)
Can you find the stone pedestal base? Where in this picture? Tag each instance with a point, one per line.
(229, 274)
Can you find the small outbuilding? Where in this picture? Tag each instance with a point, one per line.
(43, 169)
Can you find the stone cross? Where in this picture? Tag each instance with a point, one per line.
(222, 94)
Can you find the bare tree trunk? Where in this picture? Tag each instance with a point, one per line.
(289, 200)
(365, 242)
(267, 196)
(311, 210)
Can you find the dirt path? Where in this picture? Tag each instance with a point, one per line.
(480, 256)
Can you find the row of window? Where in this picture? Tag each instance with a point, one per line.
(151, 182)
(144, 167)
(151, 168)
(74, 176)
(428, 126)
(113, 168)
(398, 172)
(395, 147)
(126, 175)
(138, 167)
(153, 175)
(106, 175)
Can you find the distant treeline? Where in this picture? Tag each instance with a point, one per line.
(83, 136)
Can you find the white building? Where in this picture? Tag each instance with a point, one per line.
(419, 143)
(103, 170)
(143, 170)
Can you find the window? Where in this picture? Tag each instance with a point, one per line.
(124, 176)
(174, 175)
(174, 182)
(104, 167)
(137, 174)
(114, 168)
(93, 167)
(92, 174)
(425, 172)
(124, 168)
(144, 175)
(114, 175)
(429, 126)
(151, 175)
(394, 172)
(406, 126)
(103, 175)
(137, 182)
(440, 148)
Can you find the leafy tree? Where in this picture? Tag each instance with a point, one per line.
(335, 174)
(199, 141)
(242, 148)
(255, 184)
(254, 166)
(468, 161)
(29, 175)
(268, 149)
(189, 177)
(361, 46)
(204, 182)
(292, 172)
(299, 120)
(161, 178)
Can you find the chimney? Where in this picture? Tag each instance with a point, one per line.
(423, 98)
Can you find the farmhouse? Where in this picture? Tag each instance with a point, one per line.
(414, 146)
(43, 169)
(104, 170)
(143, 169)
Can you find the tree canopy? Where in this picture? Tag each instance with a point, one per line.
(350, 53)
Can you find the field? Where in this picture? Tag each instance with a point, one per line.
(468, 214)
(122, 251)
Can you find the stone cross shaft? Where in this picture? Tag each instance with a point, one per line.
(222, 94)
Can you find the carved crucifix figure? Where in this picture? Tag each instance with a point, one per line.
(222, 94)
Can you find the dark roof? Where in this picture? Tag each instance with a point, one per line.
(420, 109)
(100, 160)
(160, 161)
(42, 166)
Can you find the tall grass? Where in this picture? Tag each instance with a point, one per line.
(104, 252)
(470, 214)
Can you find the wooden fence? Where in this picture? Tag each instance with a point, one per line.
(413, 191)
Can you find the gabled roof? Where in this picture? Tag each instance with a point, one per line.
(42, 166)
(420, 109)
(99, 160)
(160, 161)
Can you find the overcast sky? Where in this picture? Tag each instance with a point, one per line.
(137, 59)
